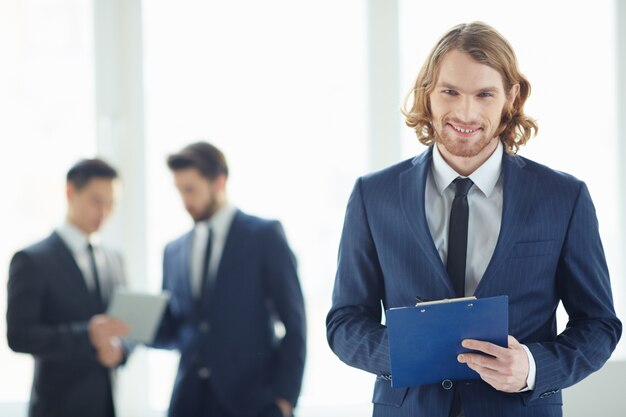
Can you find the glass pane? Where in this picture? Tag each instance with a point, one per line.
(46, 79)
(281, 89)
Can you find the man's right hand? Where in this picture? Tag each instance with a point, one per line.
(112, 355)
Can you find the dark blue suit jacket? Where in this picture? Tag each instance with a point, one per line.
(548, 250)
(232, 333)
(49, 307)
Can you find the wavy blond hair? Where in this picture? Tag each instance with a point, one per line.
(485, 45)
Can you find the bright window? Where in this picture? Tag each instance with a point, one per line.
(280, 87)
(46, 79)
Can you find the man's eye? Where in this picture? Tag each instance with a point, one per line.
(485, 95)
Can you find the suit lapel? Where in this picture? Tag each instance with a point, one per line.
(72, 273)
(412, 193)
(184, 269)
(518, 191)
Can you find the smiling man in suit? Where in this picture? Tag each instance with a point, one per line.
(58, 292)
(470, 217)
(231, 279)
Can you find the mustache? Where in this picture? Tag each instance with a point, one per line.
(454, 120)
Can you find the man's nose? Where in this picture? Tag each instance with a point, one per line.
(466, 109)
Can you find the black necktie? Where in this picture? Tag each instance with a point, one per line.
(457, 252)
(96, 278)
(457, 235)
(204, 285)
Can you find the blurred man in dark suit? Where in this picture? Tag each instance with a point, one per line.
(231, 279)
(58, 292)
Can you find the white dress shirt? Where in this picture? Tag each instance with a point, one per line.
(219, 224)
(485, 201)
(76, 240)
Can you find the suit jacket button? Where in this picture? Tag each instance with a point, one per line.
(204, 373)
(447, 384)
(204, 327)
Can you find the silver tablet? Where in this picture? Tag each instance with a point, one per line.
(142, 312)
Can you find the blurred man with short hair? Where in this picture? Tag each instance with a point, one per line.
(232, 277)
(58, 291)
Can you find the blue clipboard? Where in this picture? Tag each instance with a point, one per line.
(424, 340)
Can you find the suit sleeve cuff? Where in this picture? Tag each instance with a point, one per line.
(532, 371)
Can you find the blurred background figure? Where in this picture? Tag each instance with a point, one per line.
(58, 291)
(232, 279)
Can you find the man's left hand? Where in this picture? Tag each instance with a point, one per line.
(506, 369)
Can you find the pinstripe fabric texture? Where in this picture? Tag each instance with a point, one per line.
(548, 250)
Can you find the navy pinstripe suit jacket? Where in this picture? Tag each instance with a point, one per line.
(548, 250)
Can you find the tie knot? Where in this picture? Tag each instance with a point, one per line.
(462, 186)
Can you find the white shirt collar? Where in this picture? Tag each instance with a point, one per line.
(73, 237)
(219, 222)
(485, 177)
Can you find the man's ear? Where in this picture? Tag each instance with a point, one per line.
(512, 95)
(69, 191)
(220, 182)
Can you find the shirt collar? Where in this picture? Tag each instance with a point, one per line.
(220, 221)
(73, 237)
(485, 177)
